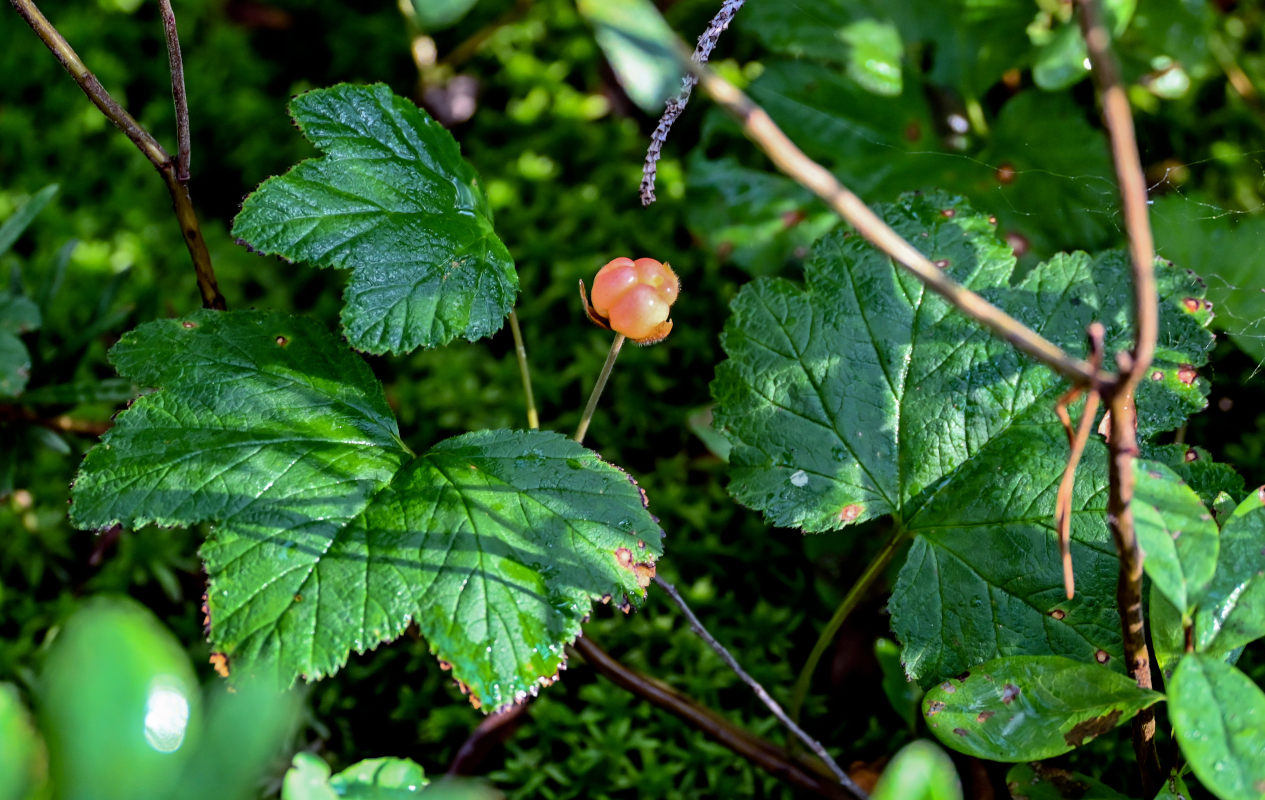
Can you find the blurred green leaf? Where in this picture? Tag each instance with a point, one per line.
(1218, 716)
(874, 55)
(904, 695)
(641, 48)
(1177, 535)
(120, 705)
(919, 771)
(18, 221)
(393, 201)
(332, 537)
(23, 764)
(1026, 708)
(436, 15)
(17, 315)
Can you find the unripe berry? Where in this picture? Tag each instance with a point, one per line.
(634, 298)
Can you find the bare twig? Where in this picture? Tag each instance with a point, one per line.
(598, 387)
(1122, 438)
(494, 729)
(146, 143)
(176, 64)
(766, 756)
(1077, 439)
(773, 706)
(520, 352)
(676, 105)
(762, 130)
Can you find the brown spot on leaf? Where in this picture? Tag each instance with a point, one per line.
(282, 341)
(1260, 494)
(1019, 243)
(1191, 304)
(1005, 174)
(624, 556)
(850, 512)
(959, 731)
(188, 324)
(298, 598)
(913, 132)
(963, 676)
(992, 220)
(1187, 374)
(641, 544)
(1082, 732)
(948, 687)
(984, 716)
(645, 573)
(1058, 613)
(1157, 375)
(948, 213)
(1191, 455)
(1009, 692)
(444, 665)
(219, 662)
(1102, 656)
(942, 263)
(934, 707)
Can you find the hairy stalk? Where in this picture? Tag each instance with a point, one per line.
(167, 167)
(857, 593)
(676, 105)
(764, 754)
(773, 706)
(792, 161)
(587, 417)
(1122, 439)
(520, 352)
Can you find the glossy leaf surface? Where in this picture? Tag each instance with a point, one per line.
(331, 536)
(1177, 535)
(1218, 715)
(1231, 609)
(1029, 708)
(393, 201)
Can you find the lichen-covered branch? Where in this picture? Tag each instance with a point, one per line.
(676, 105)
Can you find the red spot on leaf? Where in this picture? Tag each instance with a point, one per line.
(948, 213)
(1009, 692)
(1191, 455)
(1102, 656)
(850, 512)
(282, 341)
(1157, 375)
(942, 263)
(1191, 304)
(219, 662)
(1058, 613)
(1186, 374)
(984, 716)
(188, 324)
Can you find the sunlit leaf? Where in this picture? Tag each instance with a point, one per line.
(640, 47)
(1218, 715)
(865, 395)
(1177, 535)
(919, 771)
(393, 201)
(1029, 708)
(331, 536)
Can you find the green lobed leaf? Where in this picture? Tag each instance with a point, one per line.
(1040, 780)
(1218, 716)
(866, 395)
(919, 771)
(331, 536)
(17, 315)
(1028, 708)
(1176, 533)
(641, 48)
(1210, 480)
(371, 779)
(393, 201)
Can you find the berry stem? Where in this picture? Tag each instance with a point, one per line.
(520, 351)
(599, 386)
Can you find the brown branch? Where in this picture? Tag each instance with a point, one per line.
(756, 750)
(1122, 437)
(176, 64)
(146, 143)
(788, 158)
(493, 730)
(676, 105)
(764, 697)
(1077, 439)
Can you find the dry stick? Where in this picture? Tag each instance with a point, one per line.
(764, 697)
(147, 144)
(1077, 439)
(762, 130)
(178, 97)
(1122, 439)
(676, 105)
(756, 750)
